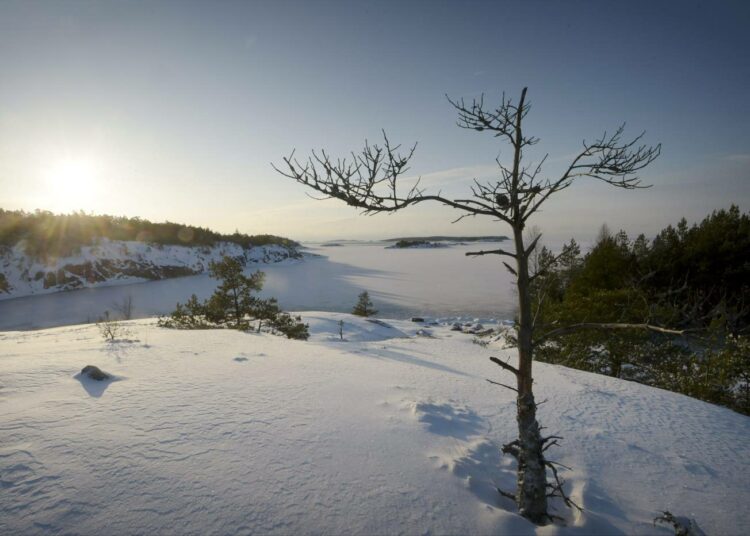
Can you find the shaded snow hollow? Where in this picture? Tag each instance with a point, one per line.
(386, 432)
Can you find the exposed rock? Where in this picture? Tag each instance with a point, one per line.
(95, 373)
(456, 327)
(683, 526)
(417, 319)
(485, 332)
(109, 261)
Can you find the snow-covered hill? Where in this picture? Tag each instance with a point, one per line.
(390, 431)
(112, 262)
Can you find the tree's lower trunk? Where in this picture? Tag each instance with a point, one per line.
(616, 367)
(531, 493)
(236, 310)
(532, 474)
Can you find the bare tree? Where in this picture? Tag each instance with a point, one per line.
(369, 180)
(111, 330)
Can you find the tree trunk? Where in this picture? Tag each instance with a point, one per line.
(531, 494)
(236, 309)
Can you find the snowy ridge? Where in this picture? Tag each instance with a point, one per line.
(111, 262)
(392, 430)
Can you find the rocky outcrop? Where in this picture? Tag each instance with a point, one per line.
(112, 262)
(73, 276)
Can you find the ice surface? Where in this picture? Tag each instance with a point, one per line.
(402, 283)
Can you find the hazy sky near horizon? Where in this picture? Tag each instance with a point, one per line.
(174, 110)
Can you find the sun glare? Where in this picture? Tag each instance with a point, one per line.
(73, 184)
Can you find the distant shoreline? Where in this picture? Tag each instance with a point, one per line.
(441, 238)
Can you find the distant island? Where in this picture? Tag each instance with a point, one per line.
(440, 238)
(417, 244)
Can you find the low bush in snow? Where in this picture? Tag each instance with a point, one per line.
(111, 330)
(233, 305)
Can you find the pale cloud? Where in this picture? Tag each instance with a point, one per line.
(738, 157)
(453, 175)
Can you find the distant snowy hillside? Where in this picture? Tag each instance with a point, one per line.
(112, 262)
(392, 430)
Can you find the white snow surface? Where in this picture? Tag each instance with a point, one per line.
(384, 432)
(21, 271)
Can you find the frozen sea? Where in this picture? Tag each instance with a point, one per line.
(437, 283)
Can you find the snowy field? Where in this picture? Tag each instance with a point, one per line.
(440, 282)
(387, 432)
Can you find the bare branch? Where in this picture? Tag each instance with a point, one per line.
(510, 268)
(502, 385)
(557, 487)
(490, 252)
(513, 448)
(532, 246)
(500, 121)
(505, 365)
(369, 180)
(607, 326)
(608, 159)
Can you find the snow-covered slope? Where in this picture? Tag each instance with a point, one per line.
(385, 432)
(118, 262)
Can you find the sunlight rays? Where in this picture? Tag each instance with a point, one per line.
(73, 183)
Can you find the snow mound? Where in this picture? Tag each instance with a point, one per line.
(328, 327)
(386, 432)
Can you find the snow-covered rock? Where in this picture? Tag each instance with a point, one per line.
(385, 432)
(112, 262)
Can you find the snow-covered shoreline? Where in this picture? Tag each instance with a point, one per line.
(113, 262)
(392, 430)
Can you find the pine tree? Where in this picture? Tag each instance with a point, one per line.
(364, 306)
(265, 311)
(291, 326)
(233, 299)
(370, 182)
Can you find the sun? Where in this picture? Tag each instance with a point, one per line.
(73, 183)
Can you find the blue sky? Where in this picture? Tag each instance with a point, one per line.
(174, 110)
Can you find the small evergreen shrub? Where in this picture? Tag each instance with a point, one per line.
(364, 306)
(291, 326)
(234, 305)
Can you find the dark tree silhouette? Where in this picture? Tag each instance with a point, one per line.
(369, 180)
(233, 300)
(364, 305)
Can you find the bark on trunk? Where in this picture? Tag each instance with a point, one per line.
(531, 493)
(532, 473)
